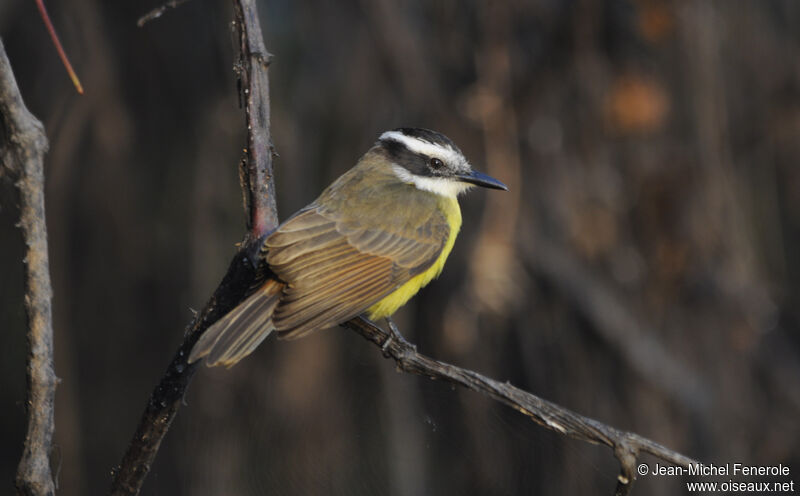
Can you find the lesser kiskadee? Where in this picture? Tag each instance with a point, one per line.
(372, 239)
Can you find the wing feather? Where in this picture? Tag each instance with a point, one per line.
(311, 301)
(323, 258)
(335, 269)
(339, 312)
(371, 268)
(288, 253)
(237, 334)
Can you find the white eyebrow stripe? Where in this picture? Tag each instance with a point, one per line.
(417, 145)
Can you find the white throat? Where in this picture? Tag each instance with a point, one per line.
(439, 185)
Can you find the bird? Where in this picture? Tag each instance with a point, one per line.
(367, 244)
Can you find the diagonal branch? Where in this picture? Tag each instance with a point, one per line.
(626, 445)
(258, 191)
(24, 145)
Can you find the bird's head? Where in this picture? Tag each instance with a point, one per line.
(431, 162)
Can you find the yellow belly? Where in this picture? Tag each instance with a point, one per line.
(390, 303)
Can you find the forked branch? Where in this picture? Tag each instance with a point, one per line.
(258, 191)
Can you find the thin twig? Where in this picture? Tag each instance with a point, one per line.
(258, 191)
(626, 445)
(159, 11)
(60, 49)
(23, 147)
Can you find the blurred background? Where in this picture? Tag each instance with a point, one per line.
(640, 270)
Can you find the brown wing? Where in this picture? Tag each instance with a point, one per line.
(335, 269)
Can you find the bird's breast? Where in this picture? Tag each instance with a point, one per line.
(390, 303)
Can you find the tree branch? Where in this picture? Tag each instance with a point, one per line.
(256, 174)
(24, 145)
(258, 191)
(626, 445)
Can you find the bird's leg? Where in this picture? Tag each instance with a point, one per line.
(394, 334)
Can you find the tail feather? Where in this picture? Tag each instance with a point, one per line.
(238, 333)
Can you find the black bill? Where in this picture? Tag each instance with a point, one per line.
(481, 179)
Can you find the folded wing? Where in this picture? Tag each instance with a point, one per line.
(328, 270)
(335, 270)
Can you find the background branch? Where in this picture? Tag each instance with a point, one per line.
(23, 147)
(634, 339)
(258, 192)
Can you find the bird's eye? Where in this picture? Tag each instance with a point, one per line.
(436, 163)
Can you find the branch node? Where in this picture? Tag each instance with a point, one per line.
(626, 452)
(264, 59)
